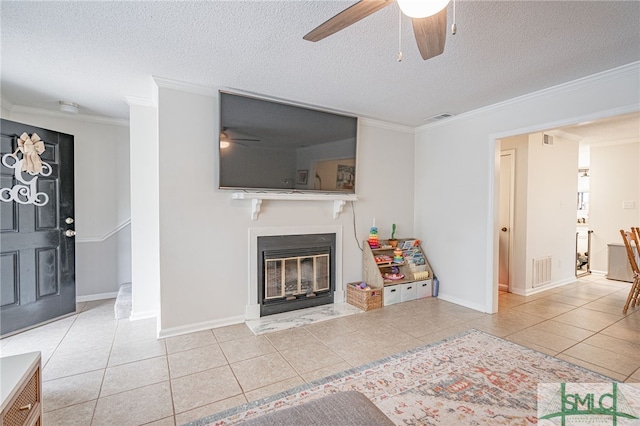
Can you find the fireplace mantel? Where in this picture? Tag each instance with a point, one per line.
(339, 200)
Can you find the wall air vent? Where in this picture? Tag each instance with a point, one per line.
(438, 117)
(541, 271)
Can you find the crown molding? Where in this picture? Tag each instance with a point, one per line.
(588, 141)
(564, 135)
(6, 104)
(77, 117)
(612, 142)
(632, 69)
(211, 91)
(147, 102)
(167, 83)
(370, 122)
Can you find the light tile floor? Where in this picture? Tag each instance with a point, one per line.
(102, 371)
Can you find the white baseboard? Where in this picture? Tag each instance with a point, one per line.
(462, 302)
(206, 325)
(529, 292)
(135, 316)
(99, 296)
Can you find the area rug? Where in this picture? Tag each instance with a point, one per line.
(469, 379)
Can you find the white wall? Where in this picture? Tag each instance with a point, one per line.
(204, 252)
(102, 207)
(615, 177)
(551, 207)
(455, 181)
(145, 239)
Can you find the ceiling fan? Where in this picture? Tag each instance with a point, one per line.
(429, 22)
(227, 137)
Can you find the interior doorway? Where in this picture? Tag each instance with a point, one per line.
(505, 243)
(612, 138)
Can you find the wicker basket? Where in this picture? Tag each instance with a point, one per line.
(422, 275)
(364, 299)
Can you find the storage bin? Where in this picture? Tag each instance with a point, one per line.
(424, 288)
(391, 295)
(364, 299)
(408, 292)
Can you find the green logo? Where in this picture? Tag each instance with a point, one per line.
(586, 404)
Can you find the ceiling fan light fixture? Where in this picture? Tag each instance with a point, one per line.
(421, 8)
(70, 107)
(224, 141)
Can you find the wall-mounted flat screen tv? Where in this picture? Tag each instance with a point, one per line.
(276, 146)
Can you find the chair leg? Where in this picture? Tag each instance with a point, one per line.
(632, 299)
(636, 293)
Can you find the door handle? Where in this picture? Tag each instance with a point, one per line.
(70, 233)
(69, 220)
(504, 229)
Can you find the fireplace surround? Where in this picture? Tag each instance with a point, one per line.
(305, 261)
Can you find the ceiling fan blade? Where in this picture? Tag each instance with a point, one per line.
(431, 34)
(349, 16)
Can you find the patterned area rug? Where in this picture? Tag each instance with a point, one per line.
(470, 379)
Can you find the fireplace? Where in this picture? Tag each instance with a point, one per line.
(295, 271)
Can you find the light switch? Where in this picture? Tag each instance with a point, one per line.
(628, 204)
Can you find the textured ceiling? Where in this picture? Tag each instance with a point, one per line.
(622, 128)
(95, 53)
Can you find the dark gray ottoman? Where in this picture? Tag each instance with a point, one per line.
(339, 409)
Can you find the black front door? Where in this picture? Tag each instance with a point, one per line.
(37, 244)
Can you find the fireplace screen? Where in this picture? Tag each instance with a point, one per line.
(295, 272)
(289, 277)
